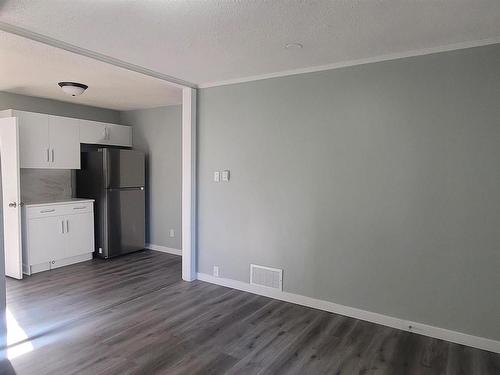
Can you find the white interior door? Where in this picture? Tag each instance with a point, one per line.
(11, 197)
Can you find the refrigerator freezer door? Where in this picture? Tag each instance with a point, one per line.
(124, 168)
(125, 221)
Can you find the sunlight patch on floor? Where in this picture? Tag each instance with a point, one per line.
(16, 334)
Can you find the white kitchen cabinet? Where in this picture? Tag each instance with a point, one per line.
(57, 234)
(46, 239)
(47, 141)
(53, 142)
(78, 227)
(94, 132)
(119, 135)
(34, 149)
(64, 142)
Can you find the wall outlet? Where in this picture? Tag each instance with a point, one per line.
(217, 176)
(216, 271)
(225, 175)
(171, 233)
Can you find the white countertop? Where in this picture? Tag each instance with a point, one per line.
(57, 202)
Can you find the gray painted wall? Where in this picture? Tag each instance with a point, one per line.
(375, 186)
(157, 132)
(54, 107)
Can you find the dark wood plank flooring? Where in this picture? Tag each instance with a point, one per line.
(134, 315)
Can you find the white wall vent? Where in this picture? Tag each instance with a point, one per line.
(266, 276)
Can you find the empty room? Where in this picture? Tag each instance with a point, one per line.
(250, 187)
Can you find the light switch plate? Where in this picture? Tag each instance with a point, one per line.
(171, 233)
(217, 176)
(225, 175)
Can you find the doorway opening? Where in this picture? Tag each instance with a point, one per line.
(48, 294)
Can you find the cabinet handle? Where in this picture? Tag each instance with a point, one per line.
(79, 208)
(48, 157)
(67, 226)
(45, 211)
(62, 226)
(52, 155)
(107, 133)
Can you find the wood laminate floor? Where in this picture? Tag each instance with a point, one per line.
(134, 315)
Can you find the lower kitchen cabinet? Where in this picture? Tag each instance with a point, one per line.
(57, 234)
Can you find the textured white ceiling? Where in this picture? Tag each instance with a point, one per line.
(211, 41)
(32, 68)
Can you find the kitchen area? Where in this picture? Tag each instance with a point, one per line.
(82, 191)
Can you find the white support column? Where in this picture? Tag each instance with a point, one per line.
(188, 184)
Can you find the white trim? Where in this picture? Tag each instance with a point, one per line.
(405, 325)
(188, 184)
(28, 34)
(25, 33)
(343, 64)
(163, 249)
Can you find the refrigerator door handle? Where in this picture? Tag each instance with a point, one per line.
(126, 188)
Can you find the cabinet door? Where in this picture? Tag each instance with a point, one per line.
(79, 234)
(45, 239)
(33, 139)
(64, 141)
(93, 132)
(119, 135)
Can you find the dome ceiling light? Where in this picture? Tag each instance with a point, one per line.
(73, 88)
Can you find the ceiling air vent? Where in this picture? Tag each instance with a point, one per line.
(266, 276)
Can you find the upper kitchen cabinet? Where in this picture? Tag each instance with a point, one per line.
(119, 135)
(93, 132)
(101, 133)
(34, 149)
(47, 141)
(64, 142)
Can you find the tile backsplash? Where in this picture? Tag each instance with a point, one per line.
(38, 185)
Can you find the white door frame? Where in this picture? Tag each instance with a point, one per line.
(11, 198)
(188, 184)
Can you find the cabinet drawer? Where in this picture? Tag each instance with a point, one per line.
(38, 212)
(58, 210)
(79, 208)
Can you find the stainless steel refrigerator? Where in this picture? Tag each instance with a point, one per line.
(115, 178)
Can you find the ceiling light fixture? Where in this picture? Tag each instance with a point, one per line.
(73, 88)
(293, 46)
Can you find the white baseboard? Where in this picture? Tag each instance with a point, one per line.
(405, 325)
(163, 249)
